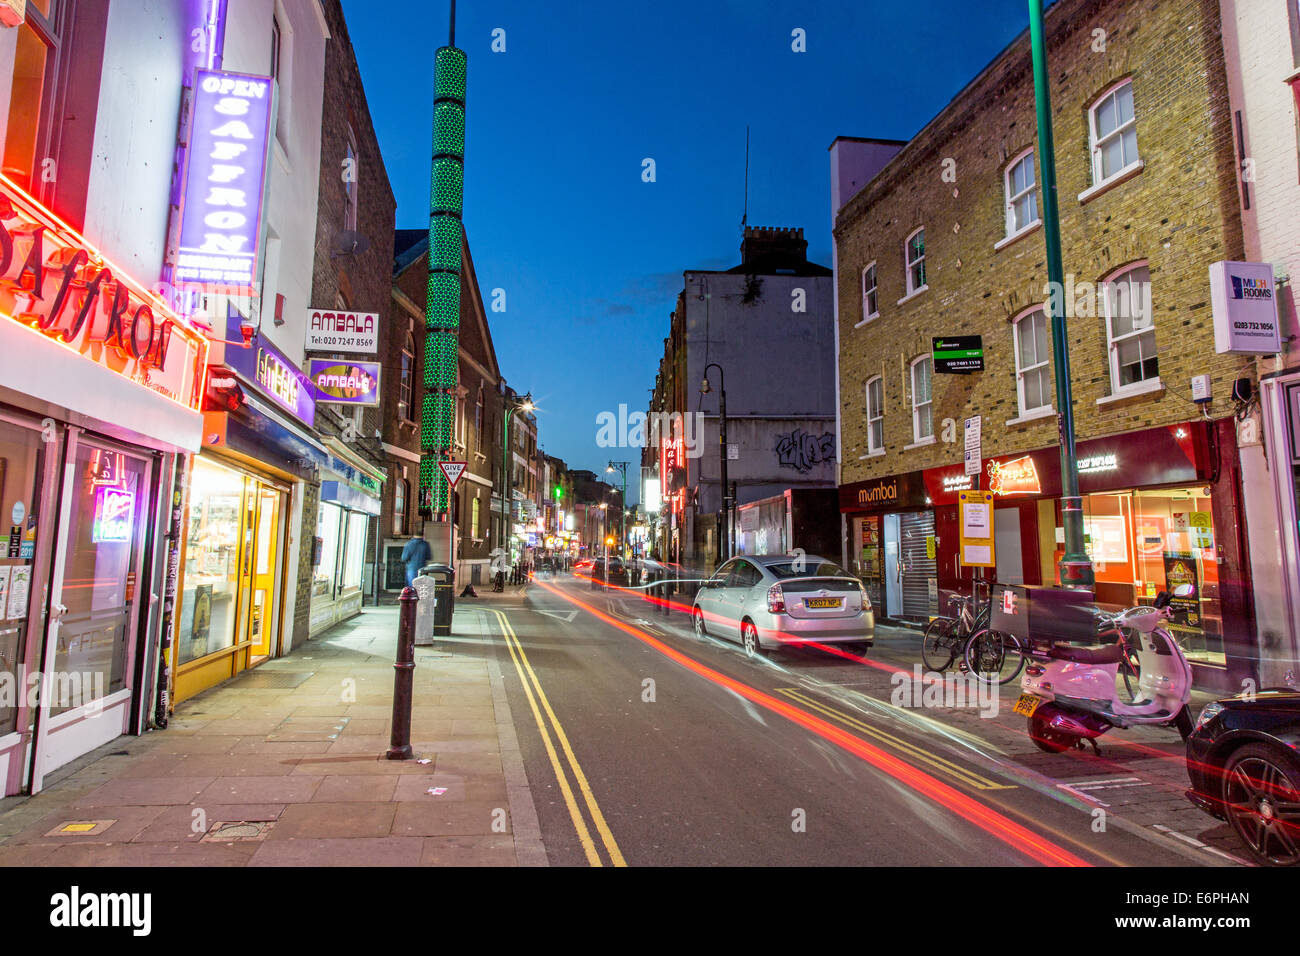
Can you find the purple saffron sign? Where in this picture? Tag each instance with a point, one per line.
(225, 176)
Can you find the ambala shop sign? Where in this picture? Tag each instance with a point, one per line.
(225, 177)
(53, 281)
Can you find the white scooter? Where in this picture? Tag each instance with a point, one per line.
(1069, 690)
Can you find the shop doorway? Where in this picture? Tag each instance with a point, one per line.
(96, 601)
(911, 567)
(232, 595)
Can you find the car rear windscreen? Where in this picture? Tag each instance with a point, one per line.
(810, 569)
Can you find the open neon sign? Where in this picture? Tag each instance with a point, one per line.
(114, 514)
(221, 217)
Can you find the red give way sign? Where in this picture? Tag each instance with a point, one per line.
(453, 470)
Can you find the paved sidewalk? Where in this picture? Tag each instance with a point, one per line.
(283, 766)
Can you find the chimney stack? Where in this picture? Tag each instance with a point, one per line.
(765, 249)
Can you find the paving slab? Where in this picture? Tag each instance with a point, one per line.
(381, 851)
(334, 820)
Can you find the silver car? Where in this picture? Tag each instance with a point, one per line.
(766, 601)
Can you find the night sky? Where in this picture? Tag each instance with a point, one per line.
(590, 257)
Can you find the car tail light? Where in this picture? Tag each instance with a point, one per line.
(775, 600)
(1034, 670)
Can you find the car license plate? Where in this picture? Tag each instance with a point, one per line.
(1027, 704)
(823, 602)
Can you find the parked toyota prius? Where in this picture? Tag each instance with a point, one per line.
(768, 600)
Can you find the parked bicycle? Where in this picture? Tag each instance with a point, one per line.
(944, 639)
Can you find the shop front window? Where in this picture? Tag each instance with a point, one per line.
(328, 530)
(1145, 542)
(355, 557)
(210, 597)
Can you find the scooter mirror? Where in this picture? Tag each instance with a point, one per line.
(1161, 599)
(1185, 591)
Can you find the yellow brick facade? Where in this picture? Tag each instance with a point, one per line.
(1179, 214)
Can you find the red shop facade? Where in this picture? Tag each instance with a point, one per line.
(1161, 507)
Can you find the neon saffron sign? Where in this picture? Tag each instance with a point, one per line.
(225, 178)
(114, 511)
(55, 282)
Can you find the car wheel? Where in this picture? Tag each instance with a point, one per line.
(697, 619)
(1261, 794)
(749, 639)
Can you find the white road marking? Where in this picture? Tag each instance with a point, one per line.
(565, 616)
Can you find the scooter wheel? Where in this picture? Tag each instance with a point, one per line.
(1046, 738)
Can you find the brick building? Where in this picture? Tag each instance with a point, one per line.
(356, 211)
(945, 240)
(477, 424)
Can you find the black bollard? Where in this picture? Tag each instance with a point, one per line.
(404, 677)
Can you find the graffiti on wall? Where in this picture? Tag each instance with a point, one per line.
(802, 452)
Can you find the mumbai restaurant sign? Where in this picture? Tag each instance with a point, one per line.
(58, 285)
(1157, 456)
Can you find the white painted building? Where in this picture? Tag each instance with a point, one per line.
(103, 371)
(1261, 40)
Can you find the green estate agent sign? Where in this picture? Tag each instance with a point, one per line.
(958, 354)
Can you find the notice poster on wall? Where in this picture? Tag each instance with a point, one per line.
(1180, 568)
(4, 592)
(20, 579)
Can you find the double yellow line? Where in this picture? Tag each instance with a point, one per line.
(956, 771)
(533, 691)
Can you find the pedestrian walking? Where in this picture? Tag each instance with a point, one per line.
(415, 555)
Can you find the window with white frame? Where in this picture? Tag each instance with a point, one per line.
(876, 415)
(405, 385)
(922, 402)
(1022, 196)
(914, 253)
(1113, 131)
(400, 491)
(1033, 375)
(870, 298)
(1130, 328)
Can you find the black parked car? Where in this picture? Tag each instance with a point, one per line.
(1243, 758)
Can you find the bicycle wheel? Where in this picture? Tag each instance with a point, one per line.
(938, 648)
(994, 657)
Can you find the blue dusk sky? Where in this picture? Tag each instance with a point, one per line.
(590, 256)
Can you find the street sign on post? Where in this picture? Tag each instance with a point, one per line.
(976, 516)
(453, 470)
(974, 445)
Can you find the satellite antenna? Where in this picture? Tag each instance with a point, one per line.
(349, 243)
(744, 219)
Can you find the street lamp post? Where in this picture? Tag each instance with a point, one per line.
(622, 504)
(506, 491)
(604, 507)
(1076, 567)
(724, 527)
